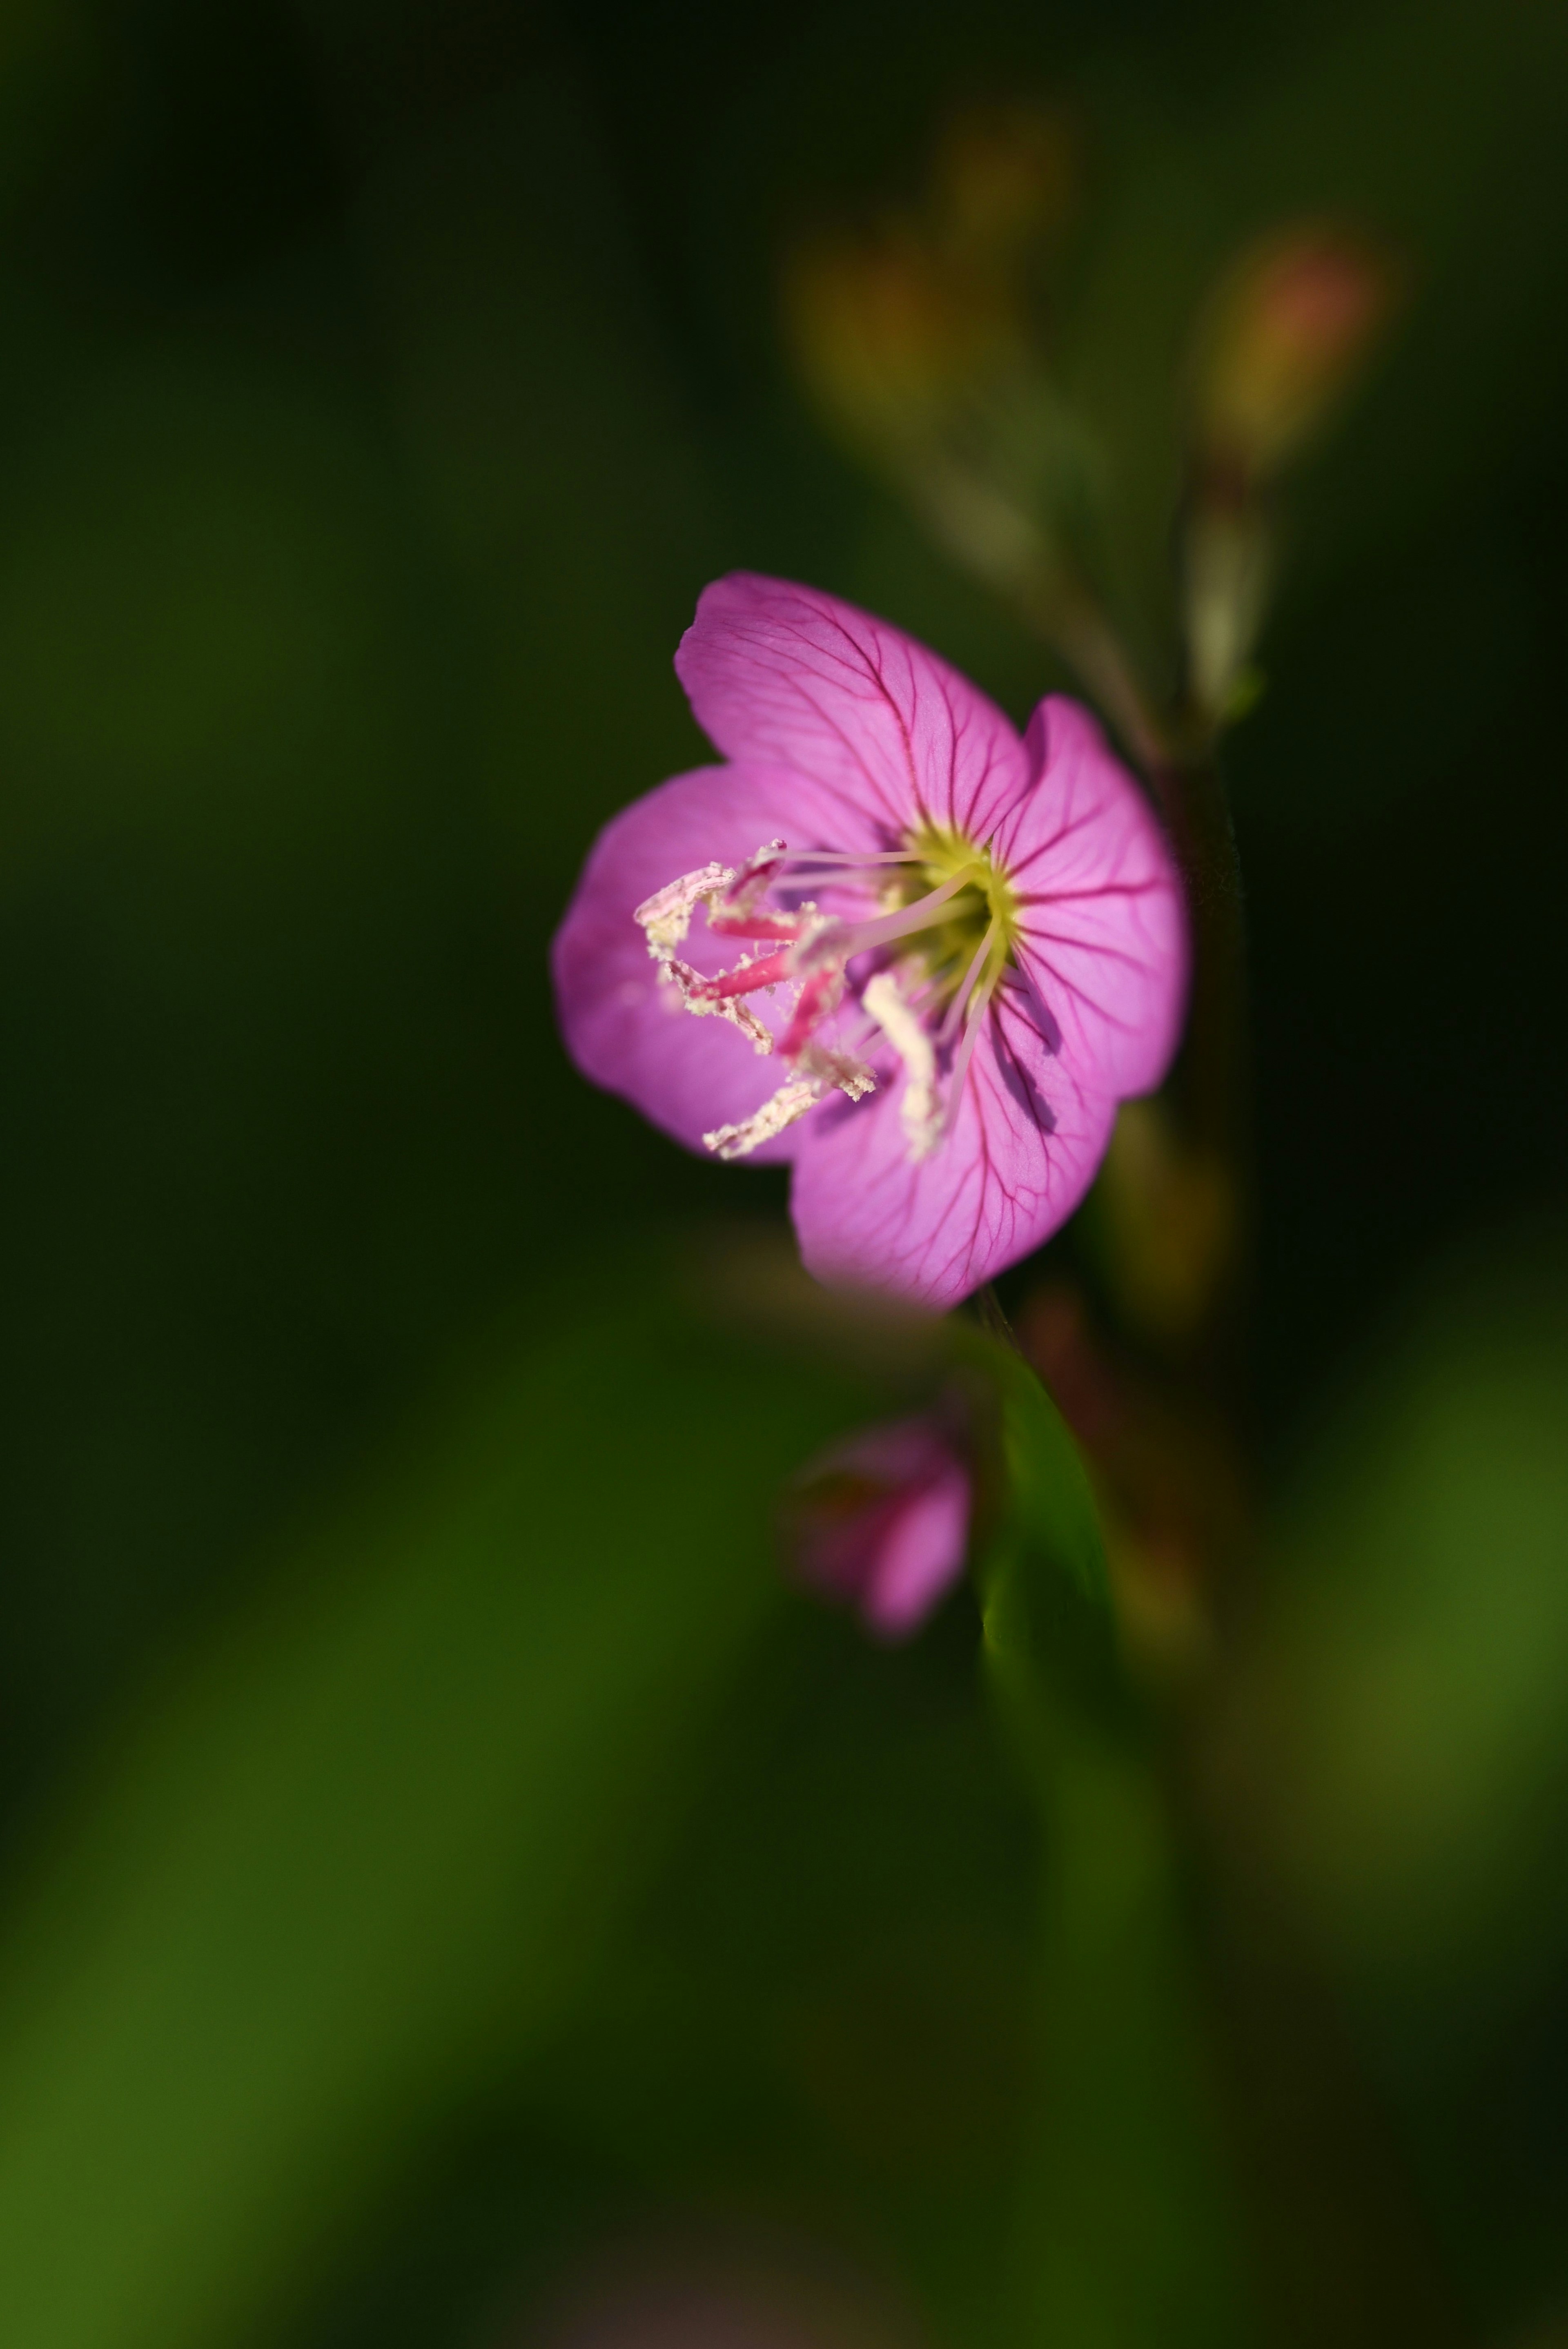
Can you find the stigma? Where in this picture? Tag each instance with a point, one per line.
(897, 951)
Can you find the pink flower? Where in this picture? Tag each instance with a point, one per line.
(964, 947)
(882, 1521)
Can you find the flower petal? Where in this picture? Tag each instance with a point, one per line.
(1102, 916)
(1020, 1155)
(921, 1556)
(783, 673)
(624, 1028)
(882, 1520)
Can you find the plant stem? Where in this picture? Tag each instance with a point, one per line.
(1344, 2255)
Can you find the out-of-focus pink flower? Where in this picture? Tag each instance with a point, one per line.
(964, 946)
(881, 1521)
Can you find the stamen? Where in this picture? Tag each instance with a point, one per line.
(955, 1008)
(788, 927)
(790, 1101)
(845, 856)
(771, 853)
(752, 879)
(665, 916)
(821, 1069)
(848, 938)
(700, 996)
(918, 1011)
(844, 1069)
(965, 1054)
(744, 980)
(918, 1110)
(818, 996)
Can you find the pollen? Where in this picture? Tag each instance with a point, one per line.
(929, 929)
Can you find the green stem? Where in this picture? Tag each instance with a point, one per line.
(1342, 2252)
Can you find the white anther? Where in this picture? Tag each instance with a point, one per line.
(841, 1068)
(733, 1008)
(919, 1113)
(665, 916)
(819, 1071)
(790, 1101)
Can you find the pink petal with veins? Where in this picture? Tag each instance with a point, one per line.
(846, 736)
(1102, 919)
(1028, 1138)
(790, 675)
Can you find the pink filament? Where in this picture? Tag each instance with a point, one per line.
(955, 1008)
(816, 1000)
(859, 938)
(844, 856)
(750, 976)
(961, 1065)
(758, 926)
(818, 963)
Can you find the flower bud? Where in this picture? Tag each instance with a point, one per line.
(905, 329)
(923, 342)
(882, 1521)
(1002, 183)
(890, 336)
(1286, 333)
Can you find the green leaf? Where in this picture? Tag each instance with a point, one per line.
(368, 1840)
(1127, 2232)
(1046, 1509)
(1054, 1506)
(1124, 2212)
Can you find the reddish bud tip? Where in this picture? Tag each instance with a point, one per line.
(1288, 330)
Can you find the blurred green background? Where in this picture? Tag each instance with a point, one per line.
(435, 1847)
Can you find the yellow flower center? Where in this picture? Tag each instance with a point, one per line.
(985, 914)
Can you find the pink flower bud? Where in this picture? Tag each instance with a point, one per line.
(881, 1521)
(1286, 333)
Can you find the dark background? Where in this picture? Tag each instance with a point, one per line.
(381, 385)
